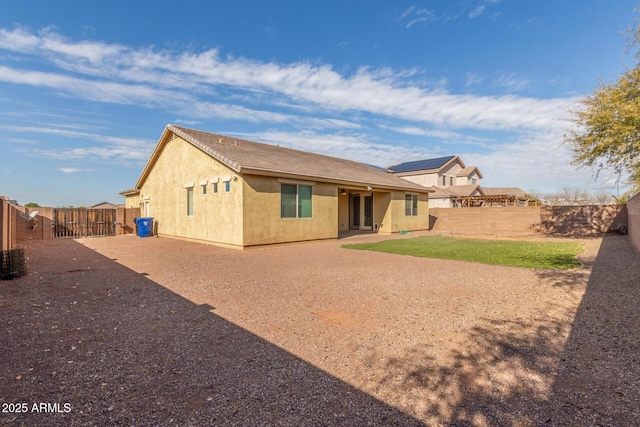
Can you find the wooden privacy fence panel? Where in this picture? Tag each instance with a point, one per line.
(80, 222)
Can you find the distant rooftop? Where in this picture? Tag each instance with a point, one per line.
(420, 165)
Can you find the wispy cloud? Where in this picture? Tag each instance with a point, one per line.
(513, 82)
(413, 16)
(75, 170)
(171, 80)
(476, 12)
(114, 149)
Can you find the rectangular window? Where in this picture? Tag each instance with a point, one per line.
(411, 204)
(444, 181)
(215, 187)
(204, 189)
(450, 180)
(295, 201)
(473, 180)
(227, 186)
(190, 201)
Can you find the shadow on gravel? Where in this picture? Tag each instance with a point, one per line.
(120, 349)
(598, 381)
(526, 372)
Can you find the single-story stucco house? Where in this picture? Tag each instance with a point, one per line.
(230, 191)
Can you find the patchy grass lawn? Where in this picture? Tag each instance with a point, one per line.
(550, 255)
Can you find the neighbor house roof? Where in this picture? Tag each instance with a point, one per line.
(421, 165)
(250, 157)
(465, 190)
(455, 191)
(468, 171)
(508, 191)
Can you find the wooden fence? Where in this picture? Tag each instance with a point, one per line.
(79, 222)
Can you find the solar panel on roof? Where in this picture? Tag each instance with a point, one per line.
(419, 165)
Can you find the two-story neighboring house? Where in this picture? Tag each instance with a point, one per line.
(447, 176)
(456, 185)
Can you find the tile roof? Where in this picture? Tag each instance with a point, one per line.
(420, 165)
(468, 171)
(246, 156)
(465, 190)
(509, 191)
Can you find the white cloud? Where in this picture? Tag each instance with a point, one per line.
(119, 150)
(360, 148)
(476, 12)
(166, 80)
(302, 95)
(512, 81)
(75, 170)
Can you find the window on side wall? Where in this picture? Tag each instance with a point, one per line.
(473, 180)
(295, 201)
(190, 201)
(444, 181)
(227, 186)
(411, 204)
(215, 187)
(204, 189)
(450, 180)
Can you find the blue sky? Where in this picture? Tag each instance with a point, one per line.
(86, 88)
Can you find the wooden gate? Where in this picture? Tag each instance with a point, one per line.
(79, 222)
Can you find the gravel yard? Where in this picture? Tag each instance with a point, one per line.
(156, 331)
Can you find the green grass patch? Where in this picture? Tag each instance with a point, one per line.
(553, 255)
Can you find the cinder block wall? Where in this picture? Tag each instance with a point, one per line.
(124, 217)
(486, 220)
(581, 220)
(39, 228)
(563, 220)
(633, 210)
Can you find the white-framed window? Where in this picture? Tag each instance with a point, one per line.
(295, 201)
(411, 205)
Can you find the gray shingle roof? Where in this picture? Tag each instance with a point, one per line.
(246, 156)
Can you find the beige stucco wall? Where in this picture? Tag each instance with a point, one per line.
(249, 214)
(395, 220)
(263, 223)
(343, 212)
(216, 217)
(468, 180)
(425, 180)
(439, 203)
(132, 201)
(450, 172)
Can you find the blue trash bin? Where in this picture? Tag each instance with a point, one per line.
(145, 226)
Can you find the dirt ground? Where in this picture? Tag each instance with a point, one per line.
(156, 331)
